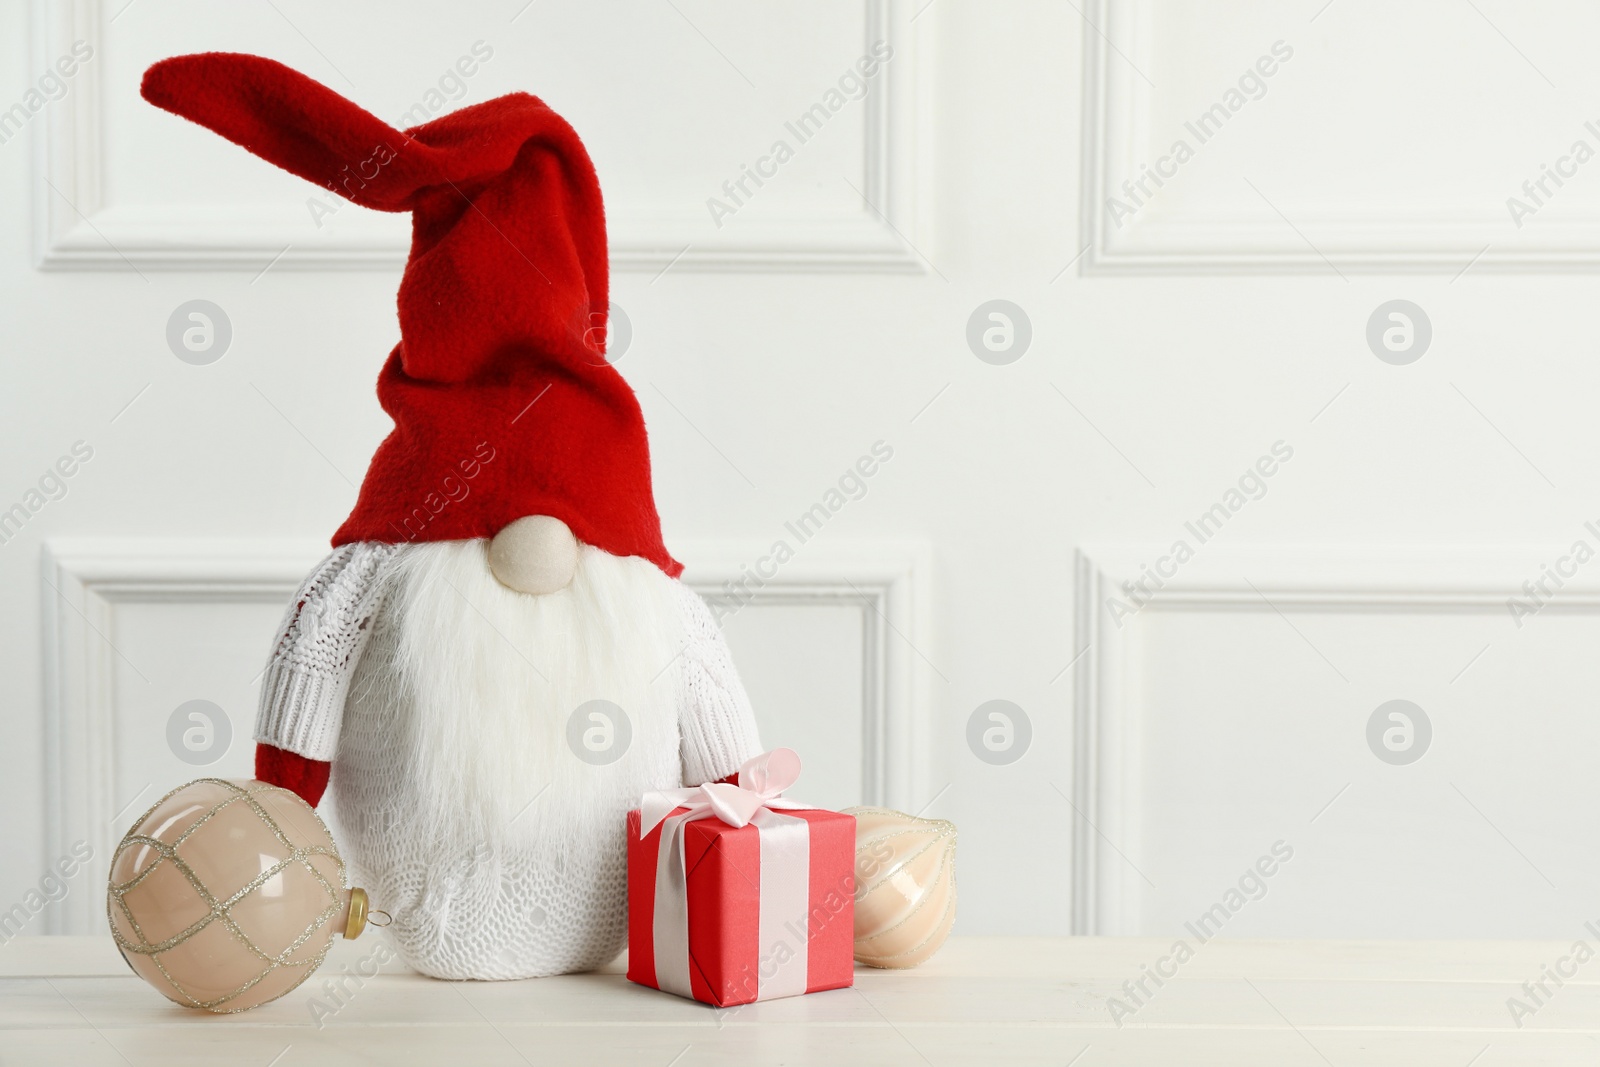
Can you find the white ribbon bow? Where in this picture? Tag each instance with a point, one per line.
(761, 781)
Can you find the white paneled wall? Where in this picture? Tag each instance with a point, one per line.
(109, 197)
(1342, 156)
(1392, 137)
(1231, 713)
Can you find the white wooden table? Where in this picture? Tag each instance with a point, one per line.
(72, 1001)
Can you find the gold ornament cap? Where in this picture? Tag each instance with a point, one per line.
(356, 917)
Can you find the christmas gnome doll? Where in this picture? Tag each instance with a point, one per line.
(497, 660)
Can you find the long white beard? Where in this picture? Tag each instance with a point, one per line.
(480, 681)
(498, 850)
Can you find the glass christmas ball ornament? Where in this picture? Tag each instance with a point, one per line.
(905, 886)
(227, 893)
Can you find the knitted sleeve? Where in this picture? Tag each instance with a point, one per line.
(718, 727)
(319, 642)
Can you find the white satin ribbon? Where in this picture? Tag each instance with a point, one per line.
(785, 870)
(785, 904)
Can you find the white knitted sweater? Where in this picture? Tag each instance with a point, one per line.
(554, 901)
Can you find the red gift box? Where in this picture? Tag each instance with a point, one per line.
(737, 895)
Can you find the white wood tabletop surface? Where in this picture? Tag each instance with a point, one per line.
(72, 1001)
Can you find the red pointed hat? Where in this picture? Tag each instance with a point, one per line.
(502, 399)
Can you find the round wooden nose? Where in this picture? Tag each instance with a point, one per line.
(535, 554)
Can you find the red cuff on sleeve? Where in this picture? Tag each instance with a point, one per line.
(307, 778)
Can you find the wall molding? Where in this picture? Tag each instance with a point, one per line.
(888, 583)
(76, 230)
(1107, 759)
(1352, 238)
(84, 581)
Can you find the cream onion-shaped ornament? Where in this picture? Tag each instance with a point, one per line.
(905, 886)
(227, 893)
